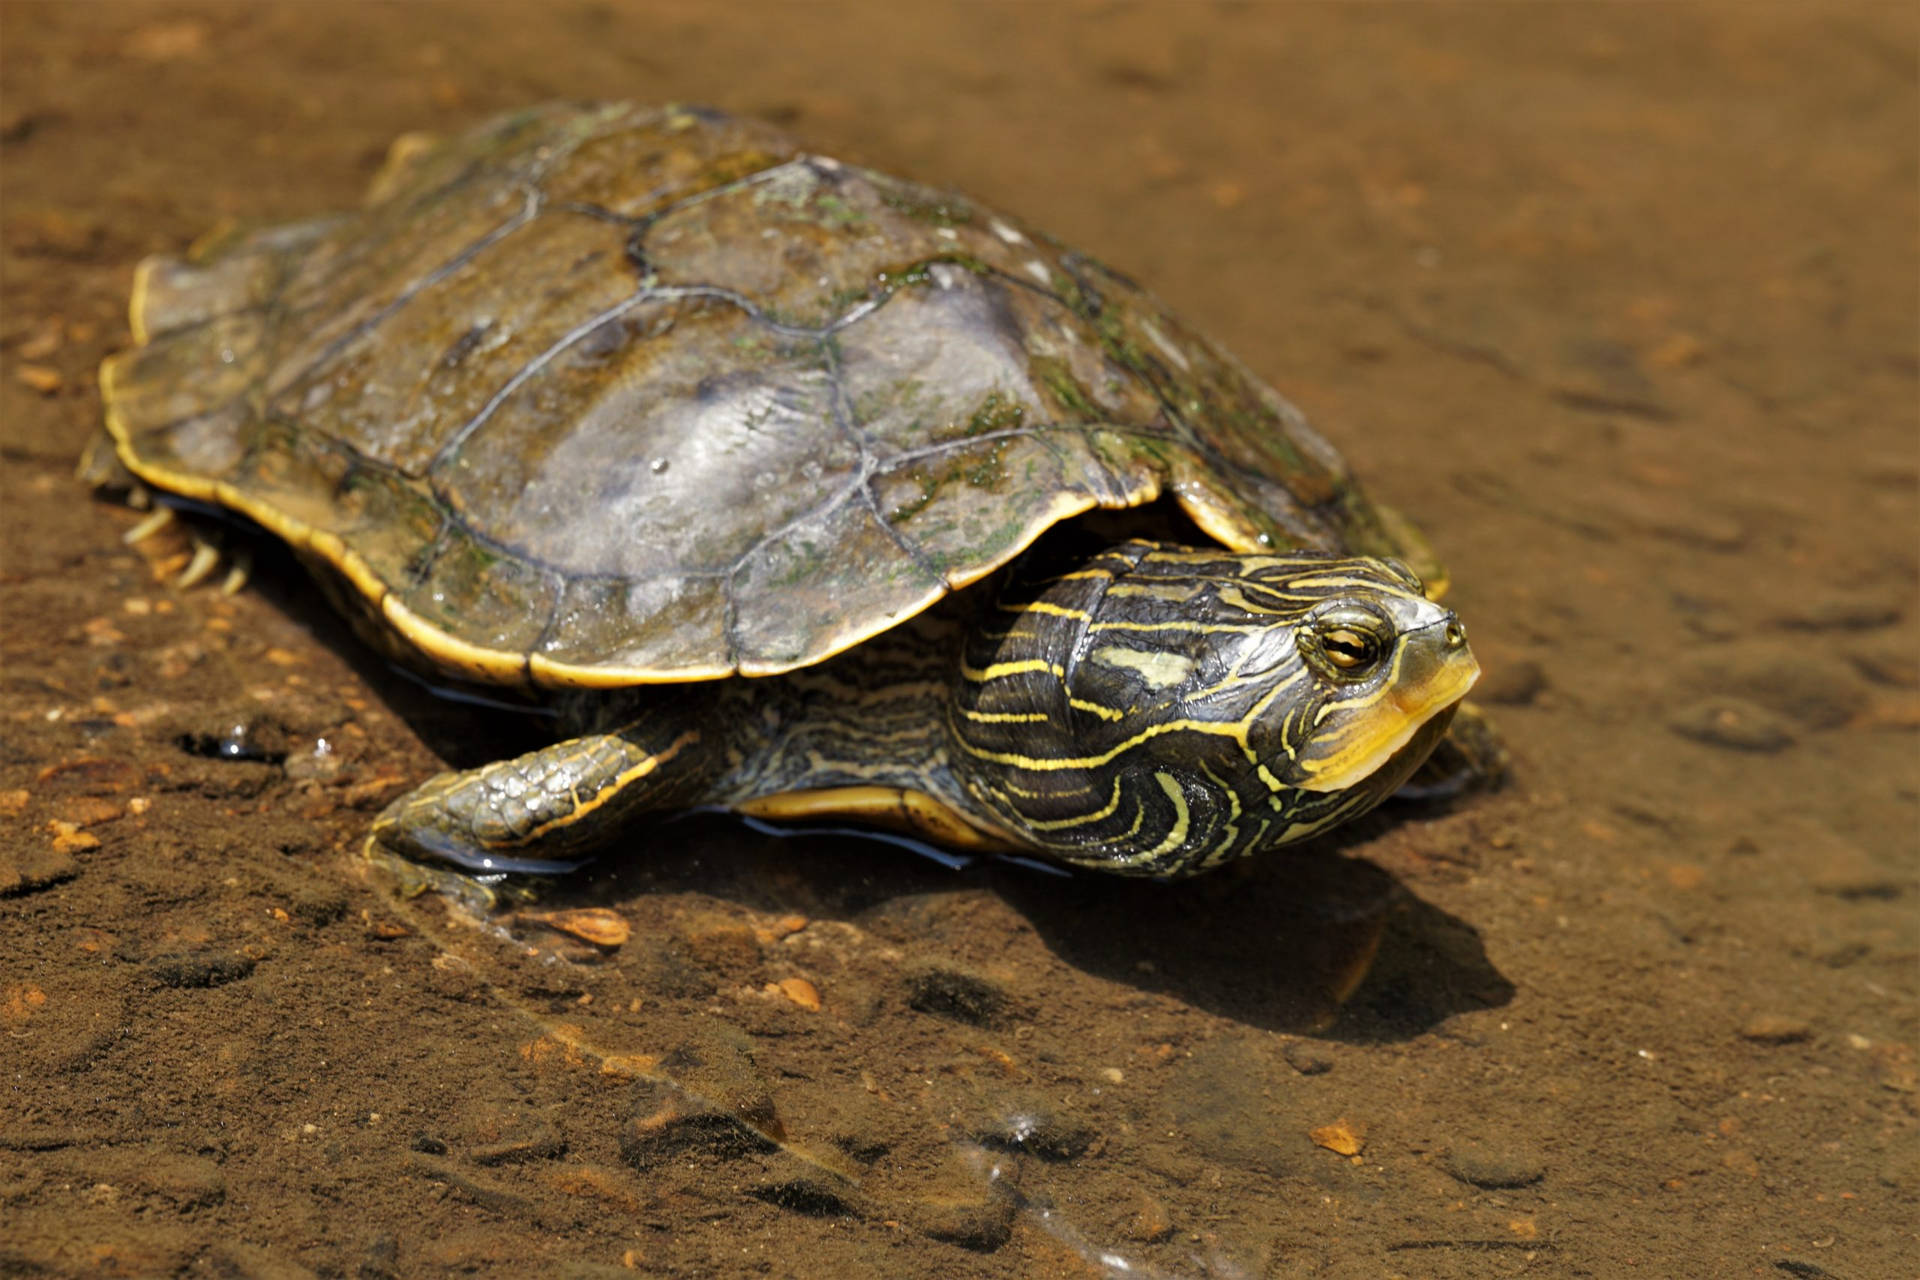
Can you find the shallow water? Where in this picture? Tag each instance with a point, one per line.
(1616, 302)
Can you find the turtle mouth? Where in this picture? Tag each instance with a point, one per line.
(1436, 672)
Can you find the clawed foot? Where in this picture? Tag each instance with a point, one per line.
(207, 556)
(480, 896)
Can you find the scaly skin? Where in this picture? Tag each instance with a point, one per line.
(1155, 711)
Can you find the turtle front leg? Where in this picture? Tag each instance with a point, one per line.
(541, 812)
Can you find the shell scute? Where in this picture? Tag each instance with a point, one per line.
(689, 448)
(840, 572)
(402, 389)
(653, 621)
(635, 162)
(487, 597)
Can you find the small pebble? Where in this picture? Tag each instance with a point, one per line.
(596, 925)
(1836, 865)
(862, 1126)
(69, 838)
(1805, 684)
(193, 969)
(720, 943)
(628, 1066)
(714, 1062)
(771, 932)
(1851, 611)
(318, 907)
(1678, 351)
(183, 1183)
(1150, 1223)
(40, 377)
(166, 40)
(980, 1222)
(539, 1142)
(669, 1123)
(1733, 723)
(1776, 1028)
(801, 992)
(1889, 664)
(26, 870)
(89, 811)
(1854, 874)
(1495, 1165)
(43, 342)
(1512, 684)
(814, 1193)
(1661, 517)
(1342, 1137)
(1045, 1131)
(1901, 711)
(947, 991)
(1307, 1059)
(22, 1002)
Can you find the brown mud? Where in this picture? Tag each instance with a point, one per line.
(1616, 301)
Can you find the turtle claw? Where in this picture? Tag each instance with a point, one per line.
(237, 573)
(156, 520)
(206, 558)
(210, 556)
(410, 879)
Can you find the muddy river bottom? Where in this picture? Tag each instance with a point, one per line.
(1616, 303)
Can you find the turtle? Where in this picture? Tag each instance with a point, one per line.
(793, 489)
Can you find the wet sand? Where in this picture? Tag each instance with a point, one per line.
(1616, 302)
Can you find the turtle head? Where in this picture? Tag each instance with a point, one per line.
(1374, 661)
(1164, 709)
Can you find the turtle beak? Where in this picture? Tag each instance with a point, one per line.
(1432, 671)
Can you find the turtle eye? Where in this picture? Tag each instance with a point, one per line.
(1350, 650)
(1347, 643)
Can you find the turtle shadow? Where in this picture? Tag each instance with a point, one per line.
(1311, 940)
(1307, 941)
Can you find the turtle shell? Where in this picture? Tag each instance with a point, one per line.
(610, 395)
